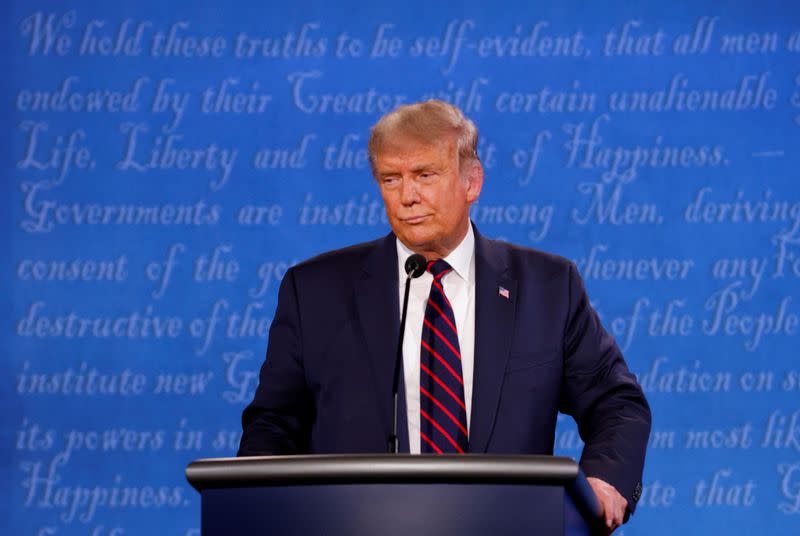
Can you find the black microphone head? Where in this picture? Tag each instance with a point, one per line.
(415, 265)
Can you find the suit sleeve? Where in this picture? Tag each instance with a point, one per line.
(604, 398)
(278, 421)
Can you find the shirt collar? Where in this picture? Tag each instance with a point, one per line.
(459, 259)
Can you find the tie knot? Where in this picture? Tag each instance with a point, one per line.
(439, 268)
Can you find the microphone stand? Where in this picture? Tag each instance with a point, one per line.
(393, 446)
(414, 267)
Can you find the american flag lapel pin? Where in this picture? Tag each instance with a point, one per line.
(503, 291)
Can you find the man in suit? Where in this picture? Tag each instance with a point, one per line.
(498, 339)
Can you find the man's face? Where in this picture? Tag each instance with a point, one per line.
(427, 197)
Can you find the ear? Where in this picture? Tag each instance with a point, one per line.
(474, 181)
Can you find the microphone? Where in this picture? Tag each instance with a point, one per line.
(415, 266)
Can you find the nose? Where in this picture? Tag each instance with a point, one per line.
(408, 191)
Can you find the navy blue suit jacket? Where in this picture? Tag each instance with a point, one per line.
(325, 386)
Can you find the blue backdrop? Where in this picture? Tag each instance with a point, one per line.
(166, 162)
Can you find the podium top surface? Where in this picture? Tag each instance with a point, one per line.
(382, 468)
(312, 470)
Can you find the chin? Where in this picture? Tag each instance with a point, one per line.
(416, 241)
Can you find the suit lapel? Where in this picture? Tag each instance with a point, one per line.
(377, 305)
(494, 327)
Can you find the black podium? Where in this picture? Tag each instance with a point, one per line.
(394, 495)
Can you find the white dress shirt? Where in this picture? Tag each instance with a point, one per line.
(459, 287)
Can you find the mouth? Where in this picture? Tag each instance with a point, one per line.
(414, 219)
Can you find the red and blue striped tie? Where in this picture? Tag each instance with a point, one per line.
(443, 415)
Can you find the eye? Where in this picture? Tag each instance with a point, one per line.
(390, 181)
(427, 175)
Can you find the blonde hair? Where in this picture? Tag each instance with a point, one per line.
(426, 122)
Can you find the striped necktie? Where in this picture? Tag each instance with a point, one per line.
(443, 415)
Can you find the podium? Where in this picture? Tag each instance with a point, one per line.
(394, 495)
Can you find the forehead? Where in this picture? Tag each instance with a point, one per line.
(409, 151)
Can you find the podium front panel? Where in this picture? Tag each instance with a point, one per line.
(388, 509)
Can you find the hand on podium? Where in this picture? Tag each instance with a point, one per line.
(613, 503)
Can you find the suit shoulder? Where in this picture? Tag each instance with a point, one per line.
(537, 255)
(342, 260)
(525, 259)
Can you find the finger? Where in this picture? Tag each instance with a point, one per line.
(618, 515)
